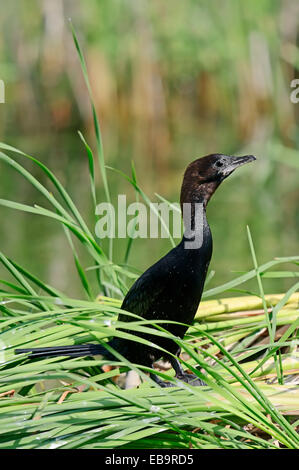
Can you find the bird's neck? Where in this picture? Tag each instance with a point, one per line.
(192, 192)
(194, 200)
(196, 227)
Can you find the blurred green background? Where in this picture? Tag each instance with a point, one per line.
(172, 81)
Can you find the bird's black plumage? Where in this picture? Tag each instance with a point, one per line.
(171, 289)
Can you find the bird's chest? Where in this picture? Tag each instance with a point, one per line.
(185, 282)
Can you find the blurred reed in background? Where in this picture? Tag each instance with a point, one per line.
(171, 81)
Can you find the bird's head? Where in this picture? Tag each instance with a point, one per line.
(204, 175)
(215, 167)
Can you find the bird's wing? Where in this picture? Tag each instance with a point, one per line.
(145, 293)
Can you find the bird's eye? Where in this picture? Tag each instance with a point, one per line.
(219, 163)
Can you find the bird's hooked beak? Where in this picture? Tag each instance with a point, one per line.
(235, 162)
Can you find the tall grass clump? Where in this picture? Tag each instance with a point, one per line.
(245, 348)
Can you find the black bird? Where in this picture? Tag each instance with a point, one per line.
(171, 289)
